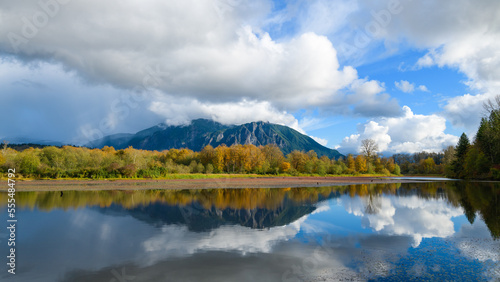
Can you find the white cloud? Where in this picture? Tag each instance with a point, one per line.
(461, 35)
(413, 216)
(176, 112)
(191, 52)
(409, 133)
(408, 87)
(320, 140)
(423, 88)
(425, 61)
(470, 241)
(370, 100)
(465, 111)
(405, 86)
(179, 241)
(190, 49)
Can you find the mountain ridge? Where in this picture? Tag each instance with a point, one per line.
(202, 132)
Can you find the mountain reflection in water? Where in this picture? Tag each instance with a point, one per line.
(358, 232)
(261, 208)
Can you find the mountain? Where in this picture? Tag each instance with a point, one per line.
(199, 219)
(27, 140)
(202, 132)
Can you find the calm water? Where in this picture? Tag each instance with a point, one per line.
(440, 231)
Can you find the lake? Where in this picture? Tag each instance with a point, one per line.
(439, 231)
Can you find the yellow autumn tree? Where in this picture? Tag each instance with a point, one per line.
(207, 155)
(2, 159)
(254, 158)
(360, 163)
(351, 164)
(297, 160)
(273, 155)
(390, 165)
(221, 155)
(284, 167)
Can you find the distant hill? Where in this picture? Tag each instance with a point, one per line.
(203, 132)
(37, 142)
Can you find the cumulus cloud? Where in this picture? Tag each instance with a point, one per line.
(370, 100)
(176, 113)
(470, 241)
(459, 35)
(466, 39)
(423, 88)
(219, 54)
(407, 87)
(177, 240)
(204, 54)
(465, 111)
(408, 133)
(321, 141)
(425, 61)
(192, 50)
(412, 216)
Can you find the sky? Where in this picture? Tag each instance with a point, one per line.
(411, 75)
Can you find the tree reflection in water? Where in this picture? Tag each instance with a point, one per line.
(267, 207)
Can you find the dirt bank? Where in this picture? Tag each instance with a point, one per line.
(135, 184)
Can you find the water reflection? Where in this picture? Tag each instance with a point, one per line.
(356, 232)
(202, 210)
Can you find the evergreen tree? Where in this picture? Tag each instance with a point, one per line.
(483, 138)
(460, 154)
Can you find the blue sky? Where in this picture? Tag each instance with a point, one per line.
(412, 75)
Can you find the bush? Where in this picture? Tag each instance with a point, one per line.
(495, 172)
(397, 170)
(128, 170)
(385, 171)
(336, 169)
(209, 169)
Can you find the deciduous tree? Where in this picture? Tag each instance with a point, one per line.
(369, 149)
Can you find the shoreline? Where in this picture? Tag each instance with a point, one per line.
(205, 183)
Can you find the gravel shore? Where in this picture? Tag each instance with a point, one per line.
(257, 182)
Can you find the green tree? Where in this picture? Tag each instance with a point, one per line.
(428, 165)
(484, 139)
(460, 154)
(28, 161)
(274, 156)
(476, 163)
(297, 160)
(209, 168)
(397, 170)
(491, 131)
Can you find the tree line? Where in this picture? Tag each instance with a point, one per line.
(481, 158)
(81, 162)
(425, 162)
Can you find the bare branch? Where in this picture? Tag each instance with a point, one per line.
(369, 148)
(491, 106)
